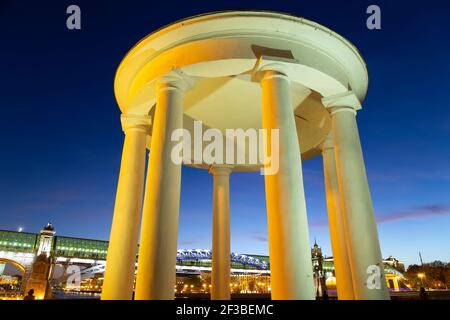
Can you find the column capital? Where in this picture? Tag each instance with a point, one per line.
(346, 101)
(269, 67)
(135, 122)
(175, 79)
(220, 170)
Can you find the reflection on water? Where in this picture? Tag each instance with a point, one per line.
(66, 295)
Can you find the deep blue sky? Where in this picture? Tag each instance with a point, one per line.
(61, 138)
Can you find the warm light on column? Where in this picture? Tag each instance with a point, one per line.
(121, 259)
(289, 250)
(159, 231)
(336, 221)
(369, 281)
(220, 275)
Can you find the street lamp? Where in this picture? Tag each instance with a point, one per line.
(421, 276)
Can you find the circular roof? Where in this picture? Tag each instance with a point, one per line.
(222, 51)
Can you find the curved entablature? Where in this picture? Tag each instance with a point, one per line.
(221, 56)
(199, 254)
(231, 43)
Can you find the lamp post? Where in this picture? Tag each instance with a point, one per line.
(421, 276)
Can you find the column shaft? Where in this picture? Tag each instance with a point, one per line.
(290, 253)
(337, 228)
(121, 259)
(396, 285)
(159, 231)
(362, 237)
(220, 276)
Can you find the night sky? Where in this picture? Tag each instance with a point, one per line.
(61, 139)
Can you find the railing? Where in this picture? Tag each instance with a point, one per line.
(200, 254)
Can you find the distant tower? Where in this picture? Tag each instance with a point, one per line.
(46, 240)
(41, 269)
(319, 277)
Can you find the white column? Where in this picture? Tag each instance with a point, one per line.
(290, 253)
(121, 259)
(368, 276)
(220, 276)
(342, 268)
(159, 231)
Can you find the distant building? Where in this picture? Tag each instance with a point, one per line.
(319, 275)
(250, 273)
(393, 262)
(46, 240)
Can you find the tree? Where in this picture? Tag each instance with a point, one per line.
(436, 275)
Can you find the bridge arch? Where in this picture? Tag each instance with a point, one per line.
(14, 263)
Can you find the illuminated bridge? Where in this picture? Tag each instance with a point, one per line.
(22, 248)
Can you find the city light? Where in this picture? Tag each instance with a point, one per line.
(247, 277)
